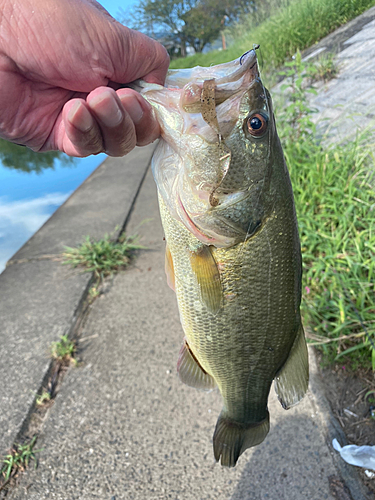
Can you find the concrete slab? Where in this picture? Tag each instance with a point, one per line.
(366, 33)
(356, 49)
(34, 312)
(347, 103)
(337, 41)
(40, 298)
(124, 427)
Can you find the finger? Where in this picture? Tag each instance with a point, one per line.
(116, 125)
(82, 133)
(140, 56)
(146, 126)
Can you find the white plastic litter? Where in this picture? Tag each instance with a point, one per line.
(362, 456)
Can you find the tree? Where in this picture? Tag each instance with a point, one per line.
(163, 20)
(22, 158)
(178, 23)
(203, 23)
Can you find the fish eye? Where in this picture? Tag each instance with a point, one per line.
(257, 124)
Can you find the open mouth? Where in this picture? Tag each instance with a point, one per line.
(218, 240)
(188, 222)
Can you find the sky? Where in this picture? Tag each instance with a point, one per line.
(114, 6)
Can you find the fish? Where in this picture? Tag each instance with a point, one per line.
(233, 253)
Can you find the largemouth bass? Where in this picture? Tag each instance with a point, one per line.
(233, 253)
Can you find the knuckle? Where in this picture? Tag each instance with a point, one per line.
(122, 140)
(121, 148)
(91, 143)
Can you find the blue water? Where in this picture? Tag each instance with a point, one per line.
(27, 200)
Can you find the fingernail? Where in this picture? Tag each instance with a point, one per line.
(107, 110)
(134, 109)
(80, 117)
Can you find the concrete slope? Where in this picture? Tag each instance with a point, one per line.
(346, 104)
(125, 427)
(40, 298)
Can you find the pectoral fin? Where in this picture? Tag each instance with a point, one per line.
(208, 277)
(169, 269)
(190, 371)
(292, 381)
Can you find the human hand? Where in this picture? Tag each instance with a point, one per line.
(62, 63)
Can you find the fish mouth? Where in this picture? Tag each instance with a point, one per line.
(216, 95)
(226, 73)
(193, 228)
(215, 239)
(210, 236)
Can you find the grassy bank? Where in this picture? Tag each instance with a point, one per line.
(281, 28)
(335, 202)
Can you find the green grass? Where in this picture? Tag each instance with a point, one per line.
(43, 398)
(324, 68)
(103, 257)
(284, 28)
(63, 350)
(18, 459)
(335, 202)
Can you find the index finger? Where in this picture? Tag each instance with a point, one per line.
(138, 57)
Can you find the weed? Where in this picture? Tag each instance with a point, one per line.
(94, 292)
(335, 203)
(325, 68)
(64, 350)
(370, 397)
(43, 398)
(103, 257)
(19, 458)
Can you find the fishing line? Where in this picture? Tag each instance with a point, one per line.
(243, 55)
(256, 46)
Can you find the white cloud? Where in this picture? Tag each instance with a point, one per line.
(19, 220)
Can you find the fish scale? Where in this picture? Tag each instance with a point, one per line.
(233, 253)
(254, 278)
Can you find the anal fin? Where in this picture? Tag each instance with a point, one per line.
(292, 381)
(207, 274)
(190, 371)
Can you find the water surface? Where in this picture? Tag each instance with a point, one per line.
(32, 187)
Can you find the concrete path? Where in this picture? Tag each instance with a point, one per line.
(41, 300)
(122, 425)
(346, 104)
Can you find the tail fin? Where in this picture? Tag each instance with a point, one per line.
(232, 438)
